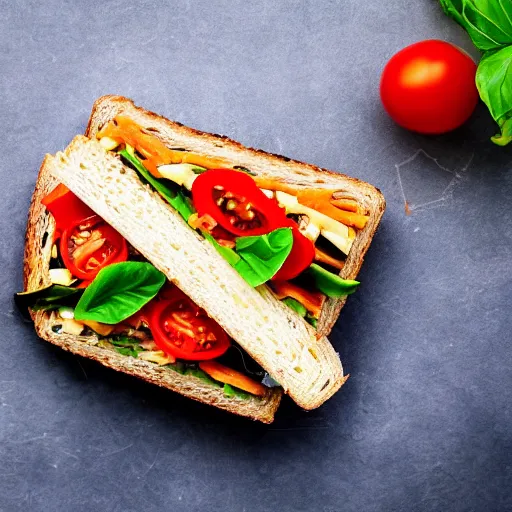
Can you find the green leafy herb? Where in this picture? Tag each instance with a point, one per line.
(171, 192)
(262, 256)
(127, 346)
(488, 22)
(178, 367)
(312, 321)
(118, 291)
(244, 169)
(196, 372)
(230, 392)
(296, 306)
(228, 254)
(494, 82)
(331, 284)
(48, 298)
(257, 258)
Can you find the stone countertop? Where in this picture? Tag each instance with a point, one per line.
(424, 422)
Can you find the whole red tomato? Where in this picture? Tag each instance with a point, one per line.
(429, 87)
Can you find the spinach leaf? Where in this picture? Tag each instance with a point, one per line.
(171, 192)
(126, 345)
(488, 22)
(196, 372)
(331, 284)
(262, 256)
(312, 321)
(48, 298)
(296, 306)
(230, 392)
(494, 82)
(118, 291)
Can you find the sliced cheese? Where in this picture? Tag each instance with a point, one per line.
(182, 174)
(337, 233)
(61, 276)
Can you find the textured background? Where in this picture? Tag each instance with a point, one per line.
(424, 423)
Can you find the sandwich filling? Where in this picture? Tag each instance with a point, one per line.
(102, 285)
(296, 240)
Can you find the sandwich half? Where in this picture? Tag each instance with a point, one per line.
(339, 214)
(126, 347)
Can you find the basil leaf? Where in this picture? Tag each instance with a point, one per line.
(48, 298)
(494, 82)
(505, 137)
(228, 254)
(257, 258)
(488, 22)
(296, 306)
(171, 192)
(262, 256)
(118, 291)
(332, 285)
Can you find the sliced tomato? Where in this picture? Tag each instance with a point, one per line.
(300, 257)
(65, 207)
(182, 329)
(234, 201)
(89, 245)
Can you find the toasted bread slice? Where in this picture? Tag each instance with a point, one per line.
(292, 172)
(306, 366)
(39, 239)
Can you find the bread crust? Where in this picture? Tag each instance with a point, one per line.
(38, 244)
(293, 172)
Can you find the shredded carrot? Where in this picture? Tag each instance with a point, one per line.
(319, 199)
(124, 130)
(226, 375)
(346, 204)
(323, 257)
(312, 301)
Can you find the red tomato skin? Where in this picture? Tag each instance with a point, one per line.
(429, 87)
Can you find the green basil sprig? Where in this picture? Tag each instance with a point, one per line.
(170, 191)
(331, 284)
(257, 258)
(494, 82)
(118, 291)
(489, 24)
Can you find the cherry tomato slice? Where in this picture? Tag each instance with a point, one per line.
(300, 257)
(233, 200)
(183, 330)
(89, 245)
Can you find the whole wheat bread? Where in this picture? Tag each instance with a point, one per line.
(289, 171)
(39, 237)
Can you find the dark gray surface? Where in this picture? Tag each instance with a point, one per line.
(424, 423)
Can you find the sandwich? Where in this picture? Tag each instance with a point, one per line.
(194, 263)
